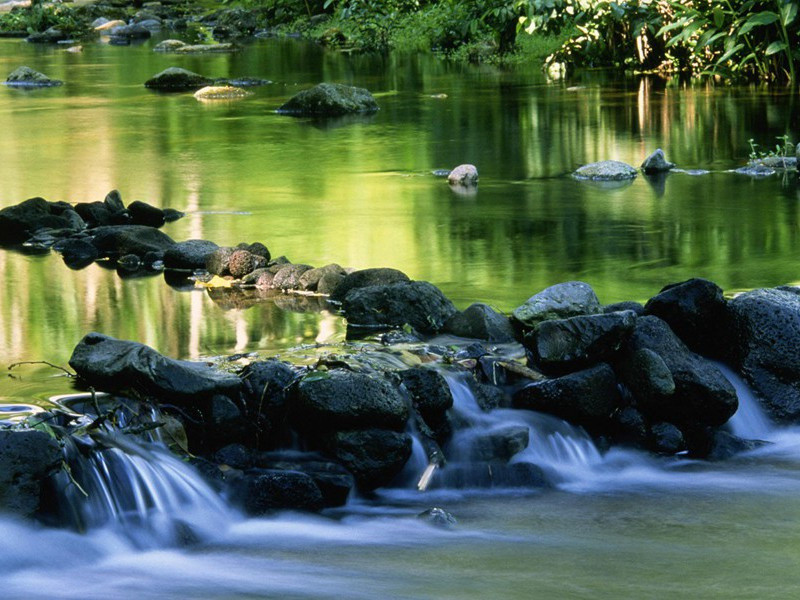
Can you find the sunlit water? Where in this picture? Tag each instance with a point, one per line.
(360, 193)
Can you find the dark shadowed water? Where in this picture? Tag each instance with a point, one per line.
(360, 192)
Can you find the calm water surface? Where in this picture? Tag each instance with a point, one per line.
(360, 192)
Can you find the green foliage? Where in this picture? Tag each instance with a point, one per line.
(784, 149)
(39, 17)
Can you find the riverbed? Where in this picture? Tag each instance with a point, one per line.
(360, 192)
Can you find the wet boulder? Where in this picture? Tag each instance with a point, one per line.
(241, 262)
(265, 389)
(567, 344)
(142, 213)
(191, 254)
(28, 78)
(51, 35)
(18, 222)
(322, 280)
(330, 100)
(118, 240)
(656, 163)
(333, 480)
(373, 456)
(606, 170)
(417, 303)
(77, 253)
(175, 79)
(465, 175)
(27, 459)
(480, 321)
(288, 277)
(559, 301)
(499, 444)
(262, 491)
(135, 31)
(666, 438)
(429, 392)
(342, 399)
(703, 396)
(218, 262)
(587, 397)
(122, 366)
(698, 313)
(767, 324)
(648, 378)
(367, 277)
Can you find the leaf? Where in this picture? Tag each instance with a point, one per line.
(776, 47)
(788, 12)
(719, 16)
(730, 53)
(215, 282)
(758, 20)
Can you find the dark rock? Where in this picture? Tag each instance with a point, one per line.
(78, 253)
(559, 301)
(121, 366)
(489, 397)
(170, 215)
(330, 275)
(27, 459)
(218, 262)
(698, 313)
(367, 277)
(118, 240)
(265, 386)
(52, 35)
(767, 324)
(145, 214)
(606, 170)
(491, 475)
(226, 423)
(288, 278)
(648, 378)
(261, 491)
(438, 517)
(241, 262)
(499, 444)
(755, 170)
(703, 396)
(18, 222)
(128, 263)
(175, 79)
(631, 427)
(236, 456)
(341, 399)
(191, 254)
(667, 439)
(637, 308)
(576, 342)
(587, 397)
(27, 77)
(373, 456)
(136, 31)
(417, 303)
(332, 479)
(113, 202)
(480, 321)
(725, 445)
(259, 249)
(330, 99)
(656, 163)
(429, 393)
(95, 214)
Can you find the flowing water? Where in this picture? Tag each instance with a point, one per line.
(360, 193)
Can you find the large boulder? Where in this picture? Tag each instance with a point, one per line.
(365, 278)
(656, 163)
(429, 392)
(142, 213)
(265, 387)
(175, 79)
(191, 254)
(587, 397)
(417, 303)
(703, 396)
(577, 342)
(27, 77)
(121, 366)
(118, 240)
(330, 100)
(288, 277)
(465, 175)
(18, 222)
(697, 311)
(322, 280)
(373, 456)
(480, 321)
(27, 458)
(767, 323)
(606, 170)
(332, 479)
(499, 444)
(559, 301)
(261, 491)
(342, 399)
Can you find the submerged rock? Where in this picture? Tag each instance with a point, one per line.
(175, 79)
(220, 92)
(607, 170)
(204, 48)
(755, 170)
(168, 46)
(330, 99)
(27, 77)
(656, 163)
(121, 366)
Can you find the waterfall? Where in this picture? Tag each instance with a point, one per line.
(137, 488)
(749, 421)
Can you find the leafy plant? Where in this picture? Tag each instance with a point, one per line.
(784, 149)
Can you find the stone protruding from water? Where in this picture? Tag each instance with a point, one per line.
(656, 163)
(559, 301)
(463, 175)
(28, 78)
(176, 79)
(220, 92)
(330, 100)
(606, 170)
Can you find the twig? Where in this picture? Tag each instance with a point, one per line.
(40, 362)
(68, 471)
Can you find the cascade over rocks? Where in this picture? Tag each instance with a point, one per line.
(767, 324)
